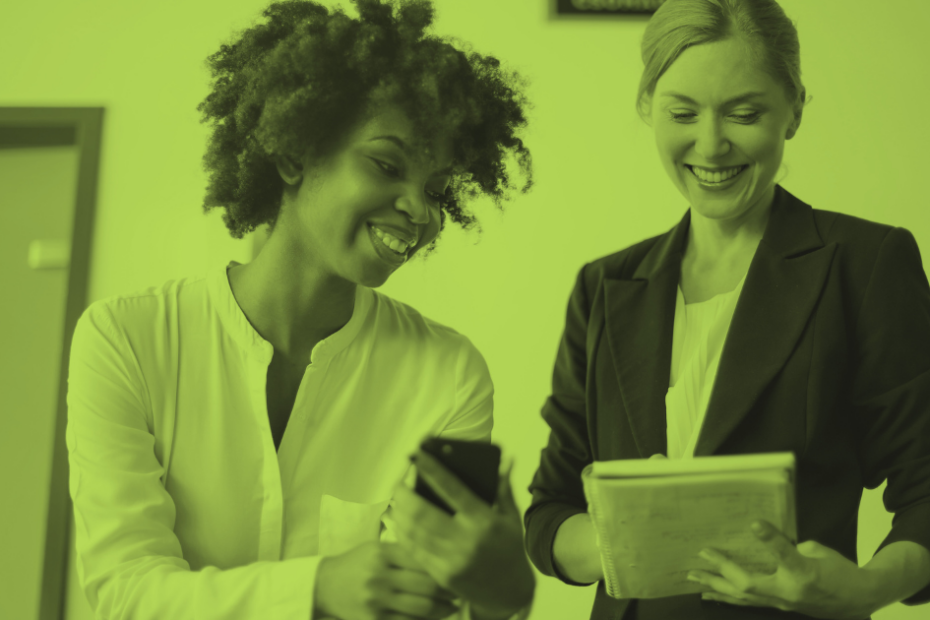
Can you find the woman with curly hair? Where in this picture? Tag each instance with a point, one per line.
(235, 440)
(756, 324)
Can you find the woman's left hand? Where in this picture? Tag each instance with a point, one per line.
(476, 553)
(810, 579)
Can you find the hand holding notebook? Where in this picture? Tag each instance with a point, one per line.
(653, 516)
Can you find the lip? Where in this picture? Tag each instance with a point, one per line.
(717, 169)
(384, 252)
(404, 234)
(724, 185)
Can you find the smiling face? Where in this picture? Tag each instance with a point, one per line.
(716, 110)
(364, 212)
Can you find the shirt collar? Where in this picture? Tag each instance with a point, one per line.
(240, 329)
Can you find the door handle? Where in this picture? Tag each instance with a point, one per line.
(49, 254)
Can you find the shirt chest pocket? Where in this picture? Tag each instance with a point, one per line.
(344, 525)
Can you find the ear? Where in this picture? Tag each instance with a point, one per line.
(291, 170)
(793, 127)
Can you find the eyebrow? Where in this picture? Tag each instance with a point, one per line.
(738, 99)
(406, 149)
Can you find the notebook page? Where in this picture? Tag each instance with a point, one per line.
(655, 527)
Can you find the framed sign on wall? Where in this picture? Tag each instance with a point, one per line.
(606, 7)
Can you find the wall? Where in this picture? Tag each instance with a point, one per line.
(600, 187)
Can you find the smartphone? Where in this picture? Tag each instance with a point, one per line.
(475, 463)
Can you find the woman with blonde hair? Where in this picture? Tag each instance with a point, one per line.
(756, 324)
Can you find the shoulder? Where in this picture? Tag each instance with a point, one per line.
(846, 229)
(142, 311)
(618, 265)
(624, 262)
(396, 321)
(860, 242)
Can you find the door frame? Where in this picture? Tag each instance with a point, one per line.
(82, 128)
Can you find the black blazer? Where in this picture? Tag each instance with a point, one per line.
(828, 356)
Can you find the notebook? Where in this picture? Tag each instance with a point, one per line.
(653, 516)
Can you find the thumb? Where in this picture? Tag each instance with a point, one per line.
(505, 497)
(778, 545)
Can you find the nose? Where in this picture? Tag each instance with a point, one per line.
(415, 207)
(712, 143)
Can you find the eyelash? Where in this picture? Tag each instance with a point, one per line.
(744, 118)
(438, 197)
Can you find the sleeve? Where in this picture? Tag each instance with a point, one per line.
(891, 394)
(472, 419)
(473, 412)
(472, 416)
(130, 563)
(556, 487)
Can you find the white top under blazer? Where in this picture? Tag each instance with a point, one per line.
(699, 333)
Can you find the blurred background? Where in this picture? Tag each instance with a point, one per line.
(861, 150)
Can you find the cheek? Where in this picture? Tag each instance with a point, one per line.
(432, 230)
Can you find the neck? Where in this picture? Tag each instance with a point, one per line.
(290, 300)
(719, 241)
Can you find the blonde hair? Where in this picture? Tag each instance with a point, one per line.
(771, 38)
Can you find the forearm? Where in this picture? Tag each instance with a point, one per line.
(575, 551)
(898, 571)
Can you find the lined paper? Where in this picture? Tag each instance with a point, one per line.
(650, 527)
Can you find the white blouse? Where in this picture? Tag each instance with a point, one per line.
(183, 508)
(699, 333)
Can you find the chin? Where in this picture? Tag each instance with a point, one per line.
(721, 211)
(373, 280)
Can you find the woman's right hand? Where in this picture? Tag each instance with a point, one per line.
(377, 580)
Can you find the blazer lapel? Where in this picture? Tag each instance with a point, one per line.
(781, 289)
(639, 316)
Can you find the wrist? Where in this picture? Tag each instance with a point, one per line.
(522, 598)
(574, 550)
(895, 573)
(481, 613)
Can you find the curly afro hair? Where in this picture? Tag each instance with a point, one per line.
(298, 84)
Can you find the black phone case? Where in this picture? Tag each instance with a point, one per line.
(475, 463)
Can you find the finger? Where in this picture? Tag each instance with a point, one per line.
(447, 485)
(395, 556)
(783, 550)
(749, 600)
(415, 582)
(730, 579)
(424, 551)
(410, 509)
(505, 498)
(658, 455)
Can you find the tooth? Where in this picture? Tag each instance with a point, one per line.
(716, 177)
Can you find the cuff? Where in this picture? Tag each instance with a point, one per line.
(292, 584)
(548, 519)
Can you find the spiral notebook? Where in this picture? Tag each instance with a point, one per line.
(653, 516)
